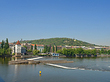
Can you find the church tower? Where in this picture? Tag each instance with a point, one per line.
(18, 48)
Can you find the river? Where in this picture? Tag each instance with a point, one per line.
(88, 70)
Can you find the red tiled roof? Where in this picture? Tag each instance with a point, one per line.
(32, 44)
(18, 43)
(36, 45)
(10, 43)
(0, 42)
(59, 46)
(39, 45)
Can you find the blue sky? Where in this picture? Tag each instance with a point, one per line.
(86, 20)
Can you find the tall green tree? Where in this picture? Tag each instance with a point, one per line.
(35, 47)
(2, 44)
(31, 47)
(109, 52)
(102, 51)
(53, 49)
(48, 48)
(45, 49)
(56, 49)
(6, 44)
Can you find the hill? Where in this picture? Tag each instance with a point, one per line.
(59, 41)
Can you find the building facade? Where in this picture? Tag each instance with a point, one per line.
(38, 47)
(17, 49)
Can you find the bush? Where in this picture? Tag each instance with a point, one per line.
(13, 54)
(29, 50)
(35, 52)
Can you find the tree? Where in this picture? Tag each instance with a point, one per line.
(53, 49)
(31, 47)
(108, 51)
(25, 47)
(35, 47)
(9, 51)
(56, 49)
(87, 52)
(48, 48)
(45, 48)
(60, 51)
(35, 52)
(2, 44)
(65, 52)
(105, 52)
(79, 51)
(6, 44)
(102, 51)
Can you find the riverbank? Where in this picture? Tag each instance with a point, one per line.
(38, 61)
(61, 56)
(5, 55)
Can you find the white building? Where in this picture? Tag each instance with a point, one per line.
(17, 49)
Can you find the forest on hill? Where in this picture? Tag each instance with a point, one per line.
(59, 41)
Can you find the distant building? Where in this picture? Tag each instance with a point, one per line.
(28, 45)
(17, 49)
(38, 47)
(55, 54)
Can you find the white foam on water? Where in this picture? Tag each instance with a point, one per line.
(64, 67)
(34, 58)
(109, 66)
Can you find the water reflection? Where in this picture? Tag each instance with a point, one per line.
(16, 58)
(4, 60)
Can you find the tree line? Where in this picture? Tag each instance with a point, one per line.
(48, 49)
(81, 51)
(4, 48)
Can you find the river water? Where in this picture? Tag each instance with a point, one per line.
(88, 70)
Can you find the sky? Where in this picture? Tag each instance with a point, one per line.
(86, 20)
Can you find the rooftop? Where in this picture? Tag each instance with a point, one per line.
(18, 43)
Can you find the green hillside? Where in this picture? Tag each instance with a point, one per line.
(59, 41)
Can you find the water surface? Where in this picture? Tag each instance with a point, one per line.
(95, 70)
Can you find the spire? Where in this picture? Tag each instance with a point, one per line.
(18, 43)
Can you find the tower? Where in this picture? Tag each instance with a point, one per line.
(18, 48)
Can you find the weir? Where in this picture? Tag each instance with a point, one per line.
(34, 58)
(64, 67)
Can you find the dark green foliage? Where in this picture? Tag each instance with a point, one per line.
(31, 47)
(29, 50)
(59, 41)
(6, 44)
(56, 49)
(78, 51)
(5, 51)
(25, 47)
(35, 52)
(103, 51)
(2, 44)
(35, 47)
(60, 51)
(109, 52)
(53, 49)
(46, 48)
